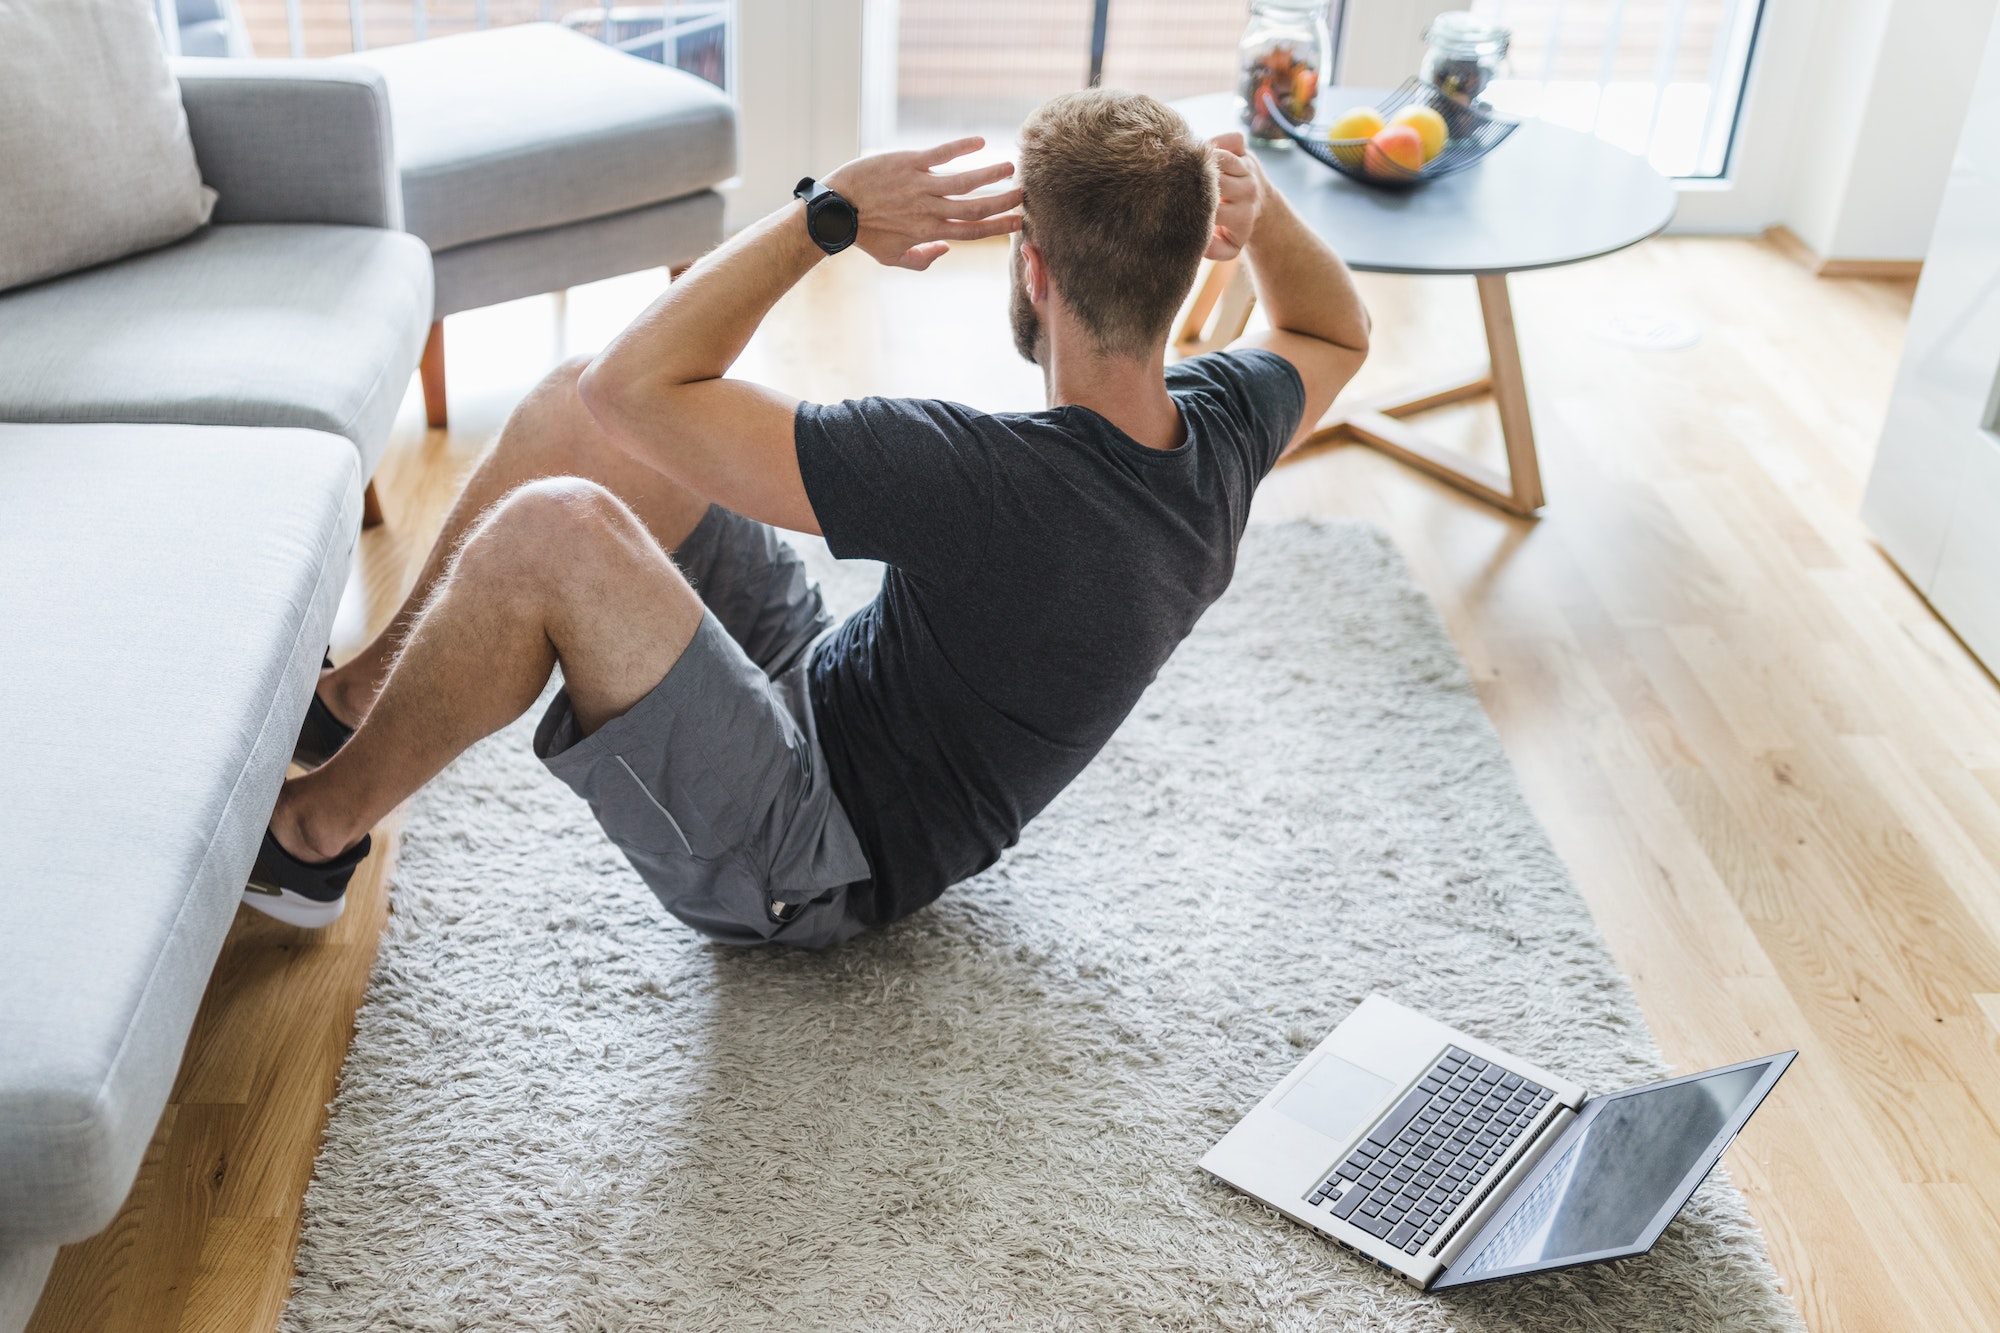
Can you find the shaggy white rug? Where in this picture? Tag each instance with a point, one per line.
(562, 1110)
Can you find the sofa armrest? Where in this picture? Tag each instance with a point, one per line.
(293, 140)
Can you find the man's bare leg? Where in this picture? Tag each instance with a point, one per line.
(550, 434)
(560, 570)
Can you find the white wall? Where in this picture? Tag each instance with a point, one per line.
(1827, 118)
(1382, 41)
(1886, 91)
(879, 25)
(798, 80)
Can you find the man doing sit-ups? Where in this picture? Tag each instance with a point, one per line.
(770, 776)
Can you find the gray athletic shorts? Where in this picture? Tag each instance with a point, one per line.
(714, 785)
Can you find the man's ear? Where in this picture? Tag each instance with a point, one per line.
(1034, 272)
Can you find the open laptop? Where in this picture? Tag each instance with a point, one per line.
(1449, 1161)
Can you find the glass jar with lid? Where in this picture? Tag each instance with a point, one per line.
(1283, 52)
(1463, 53)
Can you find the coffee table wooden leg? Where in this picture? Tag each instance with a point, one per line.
(1206, 293)
(1405, 402)
(1376, 423)
(1385, 434)
(1510, 394)
(1221, 311)
(1223, 301)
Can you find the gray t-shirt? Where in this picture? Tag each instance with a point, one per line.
(1042, 568)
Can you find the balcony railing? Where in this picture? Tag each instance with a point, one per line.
(689, 34)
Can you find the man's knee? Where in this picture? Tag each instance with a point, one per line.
(563, 510)
(567, 554)
(556, 422)
(552, 528)
(563, 379)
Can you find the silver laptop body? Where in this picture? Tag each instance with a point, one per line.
(1449, 1161)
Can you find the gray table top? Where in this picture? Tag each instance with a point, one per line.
(1545, 196)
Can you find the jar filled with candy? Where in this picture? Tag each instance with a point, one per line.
(1462, 54)
(1282, 53)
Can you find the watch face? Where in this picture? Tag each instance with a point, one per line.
(832, 222)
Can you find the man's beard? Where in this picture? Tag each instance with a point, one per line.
(1021, 313)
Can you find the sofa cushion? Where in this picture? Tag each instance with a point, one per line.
(95, 162)
(252, 325)
(167, 592)
(22, 1273)
(534, 126)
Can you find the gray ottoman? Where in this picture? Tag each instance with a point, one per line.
(534, 159)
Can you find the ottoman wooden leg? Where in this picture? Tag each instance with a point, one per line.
(371, 508)
(433, 375)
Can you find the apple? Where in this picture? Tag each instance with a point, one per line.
(1363, 122)
(1394, 153)
(1428, 124)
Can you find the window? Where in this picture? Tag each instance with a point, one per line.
(1661, 78)
(972, 65)
(981, 66)
(689, 34)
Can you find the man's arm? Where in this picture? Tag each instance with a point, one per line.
(1318, 322)
(660, 389)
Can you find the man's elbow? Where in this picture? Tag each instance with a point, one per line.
(1353, 338)
(620, 403)
(601, 392)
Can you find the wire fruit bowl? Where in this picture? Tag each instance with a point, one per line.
(1473, 132)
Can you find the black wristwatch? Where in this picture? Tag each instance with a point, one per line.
(831, 220)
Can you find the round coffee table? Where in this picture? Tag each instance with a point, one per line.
(1546, 196)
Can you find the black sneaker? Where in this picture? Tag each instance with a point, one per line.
(321, 733)
(301, 893)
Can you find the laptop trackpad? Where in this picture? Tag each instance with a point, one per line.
(1335, 1098)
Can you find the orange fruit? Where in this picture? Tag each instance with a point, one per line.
(1363, 122)
(1400, 145)
(1428, 124)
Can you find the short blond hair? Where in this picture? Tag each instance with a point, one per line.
(1119, 196)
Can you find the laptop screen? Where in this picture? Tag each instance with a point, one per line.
(1619, 1175)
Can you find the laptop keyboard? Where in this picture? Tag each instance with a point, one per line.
(1430, 1152)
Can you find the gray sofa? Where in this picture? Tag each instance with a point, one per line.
(184, 440)
(302, 304)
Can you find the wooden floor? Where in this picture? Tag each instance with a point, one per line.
(1775, 774)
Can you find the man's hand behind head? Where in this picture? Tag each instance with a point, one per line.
(1242, 194)
(909, 211)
